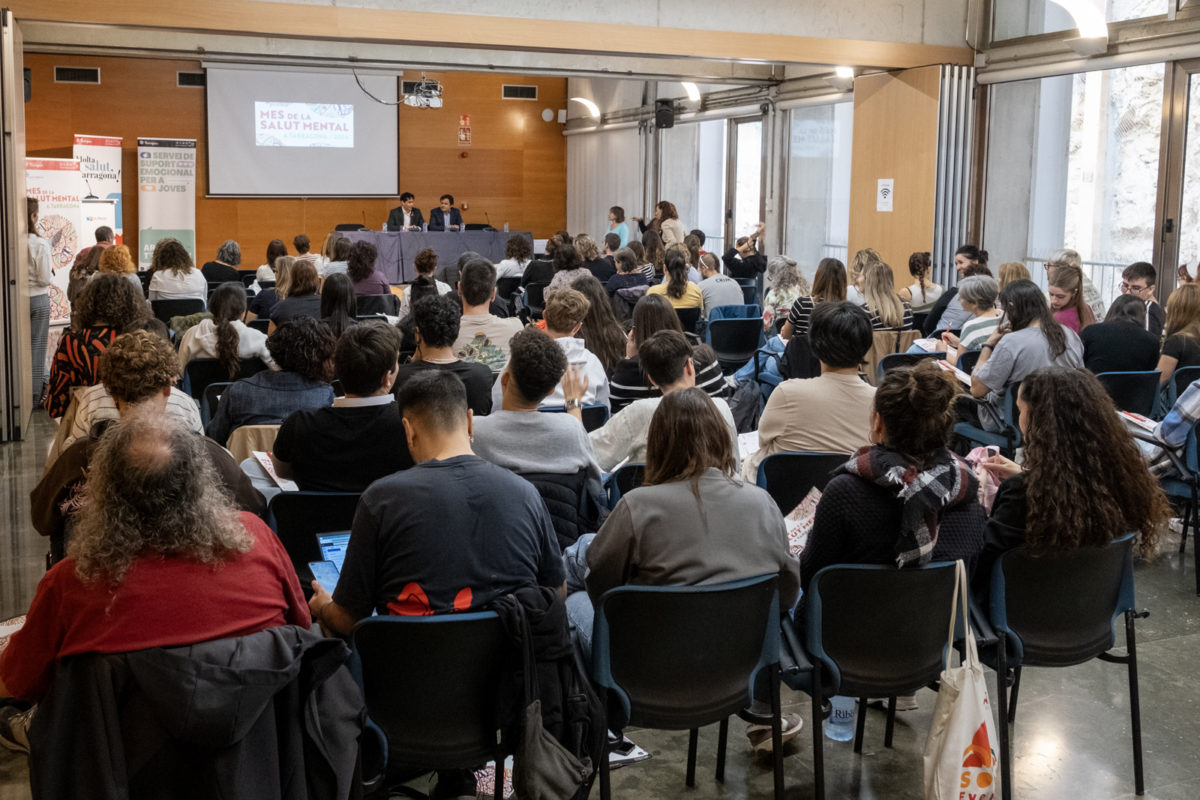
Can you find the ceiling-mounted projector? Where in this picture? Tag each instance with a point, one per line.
(425, 94)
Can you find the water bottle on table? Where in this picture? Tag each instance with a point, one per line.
(840, 725)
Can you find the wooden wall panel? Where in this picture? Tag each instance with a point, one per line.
(139, 97)
(895, 136)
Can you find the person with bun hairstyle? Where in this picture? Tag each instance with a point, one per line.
(923, 293)
(948, 316)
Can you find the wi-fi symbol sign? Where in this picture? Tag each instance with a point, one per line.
(884, 192)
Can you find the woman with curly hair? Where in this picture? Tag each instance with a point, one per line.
(224, 336)
(361, 268)
(116, 260)
(518, 252)
(787, 285)
(303, 352)
(175, 275)
(601, 333)
(679, 291)
(108, 306)
(1075, 447)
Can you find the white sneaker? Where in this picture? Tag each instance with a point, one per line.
(760, 735)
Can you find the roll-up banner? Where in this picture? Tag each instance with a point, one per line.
(55, 184)
(100, 168)
(166, 195)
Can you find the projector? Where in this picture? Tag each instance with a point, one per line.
(425, 94)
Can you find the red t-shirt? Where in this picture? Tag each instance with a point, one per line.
(162, 602)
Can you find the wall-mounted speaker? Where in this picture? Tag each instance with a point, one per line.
(664, 114)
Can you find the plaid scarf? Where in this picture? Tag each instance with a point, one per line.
(947, 481)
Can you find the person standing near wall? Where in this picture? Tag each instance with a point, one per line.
(41, 272)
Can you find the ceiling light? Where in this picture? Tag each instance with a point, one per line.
(693, 91)
(592, 109)
(1088, 16)
(844, 72)
(842, 79)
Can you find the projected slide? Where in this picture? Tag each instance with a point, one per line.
(303, 124)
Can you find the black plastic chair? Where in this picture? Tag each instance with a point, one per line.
(261, 324)
(248, 277)
(433, 685)
(145, 277)
(681, 657)
(535, 298)
(1132, 391)
(788, 477)
(689, 318)
(968, 360)
(894, 360)
(1058, 609)
(1183, 486)
(798, 359)
(378, 304)
(594, 416)
(208, 405)
(749, 289)
(735, 341)
(200, 372)
(623, 481)
(897, 647)
(297, 518)
(1181, 379)
(507, 287)
(165, 309)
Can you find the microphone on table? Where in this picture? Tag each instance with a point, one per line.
(364, 213)
(489, 221)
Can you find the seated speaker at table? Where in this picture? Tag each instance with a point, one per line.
(405, 217)
(445, 217)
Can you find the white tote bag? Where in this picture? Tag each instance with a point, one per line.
(962, 752)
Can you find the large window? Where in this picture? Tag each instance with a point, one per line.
(1016, 18)
(692, 176)
(818, 184)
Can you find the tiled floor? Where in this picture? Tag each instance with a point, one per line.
(1071, 738)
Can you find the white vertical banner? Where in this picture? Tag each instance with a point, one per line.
(166, 195)
(55, 184)
(99, 160)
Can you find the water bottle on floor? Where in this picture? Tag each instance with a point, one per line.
(840, 725)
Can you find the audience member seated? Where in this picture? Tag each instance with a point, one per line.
(1075, 447)
(743, 259)
(1066, 298)
(266, 271)
(948, 316)
(787, 285)
(225, 267)
(856, 273)
(82, 272)
(830, 413)
(116, 260)
(679, 291)
(628, 274)
(923, 293)
(541, 270)
(593, 262)
(519, 437)
(361, 269)
(601, 333)
(340, 261)
(435, 327)
(482, 336)
(1091, 295)
(339, 304)
(263, 303)
(1011, 271)
(107, 307)
(717, 289)
(905, 500)
(568, 266)
(518, 252)
(653, 255)
(224, 336)
(301, 350)
(691, 247)
(302, 298)
(629, 382)
(426, 263)
(304, 252)
(1138, 280)
(159, 558)
(612, 243)
(139, 369)
(668, 361)
(888, 312)
(1030, 339)
(344, 448)
(829, 286)
(1121, 343)
(1181, 348)
(175, 276)
(977, 295)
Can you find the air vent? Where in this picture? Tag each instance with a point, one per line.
(518, 92)
(190, 79)
(408, 87)
(77, 75)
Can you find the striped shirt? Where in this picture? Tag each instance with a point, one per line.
(629, 382)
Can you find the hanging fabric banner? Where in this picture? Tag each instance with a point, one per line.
(55, 184)
(166, 195)
(100, 168)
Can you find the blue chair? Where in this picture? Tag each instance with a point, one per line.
(894, 360)
(789, 476)
(749, 289)
(594, 415)
(1184, 486)
(899, 646)
(1059, 609)
(1132, 391)
(1009, 439)
(1180, 380)
(747, 311)
(433, 685)
(968, 360)
(623, 481)
(680, 657)
(200, 372)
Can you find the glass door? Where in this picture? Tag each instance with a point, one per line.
(744, 186)
(1179, 228)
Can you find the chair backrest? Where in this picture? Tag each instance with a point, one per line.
(245, 439)
(261, 324)
(886, 342)
(1132, 391)
(432, 684)
(879, 630)
(297, 518)
(1059, 606)
(1182, 378)
(894, 360)
(572, 511)
(535, 296)
(378, 304)
(594, 415)
(248, 277)
(749, 289)
(507, 287)
(625, 480)
(968, 360)
(689, 318)
(747, 311)
(165, 309)
(788, 477)
(798, 359)
(682, 656)
(200, 372)
(212, 395)
(734, 341)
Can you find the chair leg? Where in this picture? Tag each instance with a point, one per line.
(860, 723)
(1135, 704)
(722, 740)
(891, 721)
(1012, 696)
(1187, 518)
(776, 730)
(1005, 744)
(498, 777)
(818, 734)
(693, 735)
